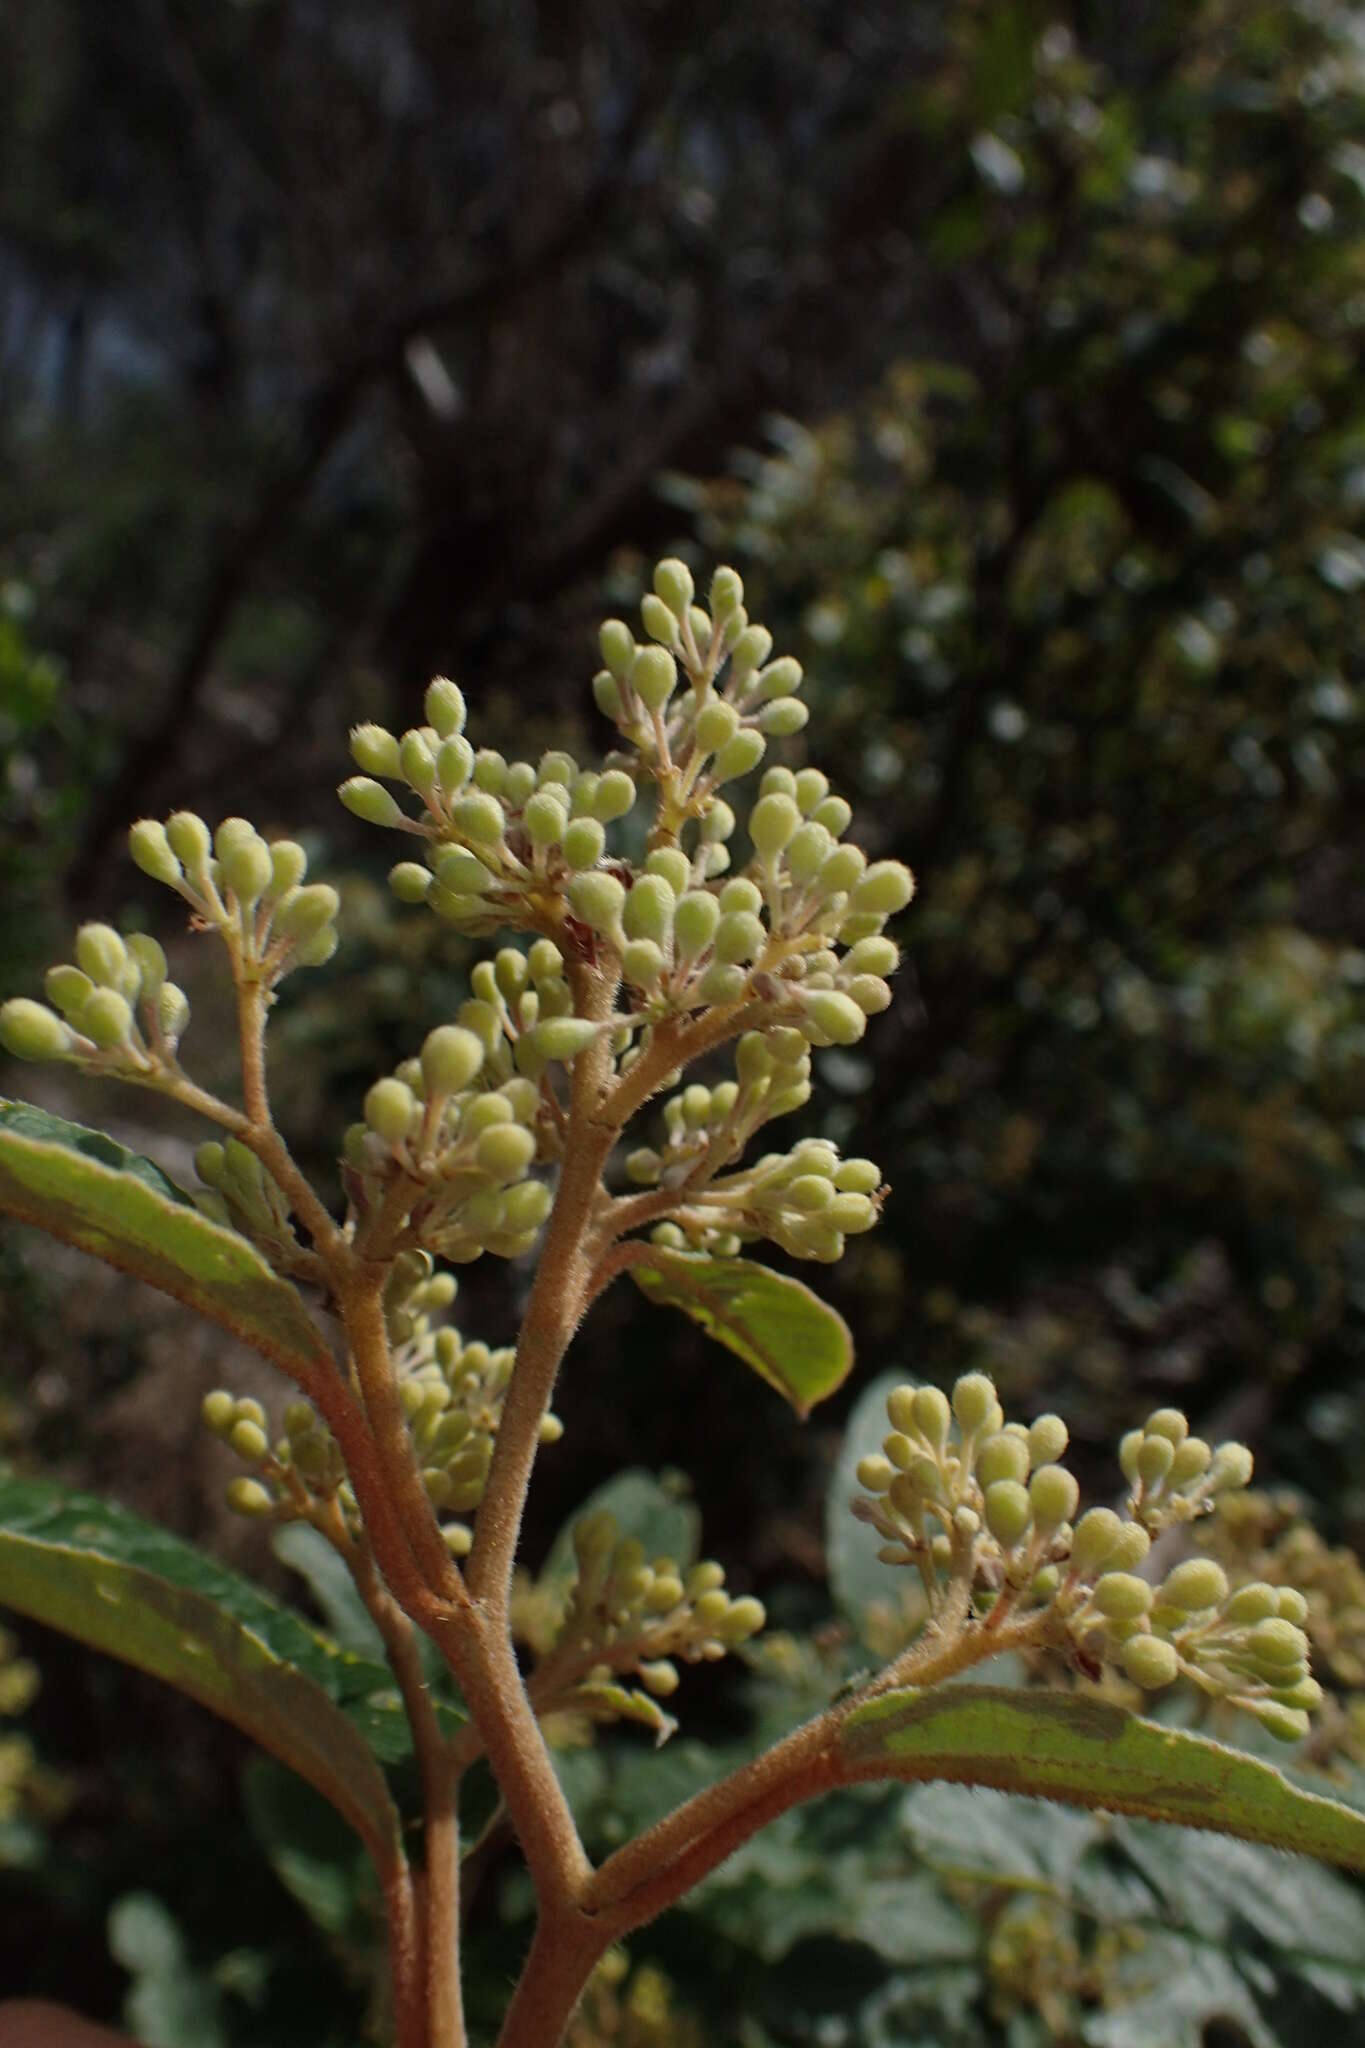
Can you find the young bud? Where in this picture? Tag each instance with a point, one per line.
(410, 881)
(744, 1618)
(1231, 1467)
(232, 832)
(479, 817)
(1155, 1456)
(562, 1038)
(834, 814)
(151, 850)
(543, 818)
(726, 594)
(886, 887)
(526, 1205)
(1290, 1605)
(1001, 1457)
(521, 782)
(658, 621)
(1287, 1724)
(445, 707)
(643, 964)
(772, 821)
(1131, 1548)
(1251, 1603)
(1096, 1537)
(451, 1057)
(648, 911)
(739, 755)
(1054, 1495)
(288, 866)
(390, 1108)
(872, 956)
(1192, 1460)
(673, 583)
(673, 865)
(617, 644)
(1120, 1596)
(248, 1497)
(740, 935)
(613, 796)
(454, 764)
(1007, 1510)
(783, 717)
(248, 869)
(930, 1414)
(654, 677)
(1278, 1644)
(1167, 1422)
(375, 750)
(188, 838)
(606, 692)
(716, 723)
(840, 873)
(102, 954)
(219, 1410)
(1149, 1662)
(584, 841)
(973, 1400)
(750, 649)
(1197, 1584)
(1047, 1440)
(597, 899)
(68, 989)
(834, 1015)
(107, 1018)
(249, 1441)
(318, 950)
(30, 1031)
(506, 1151)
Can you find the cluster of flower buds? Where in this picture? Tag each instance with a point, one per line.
(969, 1498)
(463, 1150)
(118, 1012)
(241, 1194)
(452, 1392)
(282, 1484)
(1176, 1477)
(523, 846)
(503, 838)
(707, 1128)
(252, 891)
(807, 1200)
(625, 1615)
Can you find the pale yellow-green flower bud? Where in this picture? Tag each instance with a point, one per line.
(740, 936)
(1197, 1584)
(1131, 1548)
(445, 707)
(249, 1441)
(563, 1038)
(248, 1497)
(1149, 1662)
(716, 724)
(1002, 1457)
(1047, 1439)
(643, 964)
(783, 717)
(1007, 1511)
(726, 594)
(454, 764)
(68, 989)
(506, 1151)
(544, 819)
(654, 677)
(834, 1015)
(151, 850)
(973, 1400)
(219, 1410)
(102, 954)
(1093, 1544)
(1167, 1422)
(597, 899)
(248, 869)
(1120, 1596)
(30, 1031)
(617, 644)
(931, 1415)
(288, 865)
(673, 583)
(107, 1018)
(739, 754)
(648, 910)
(375, 750)
(390, 1107)
(451, 1057)
(658, 622)
(410, 881)
(309, 912)
(584, 842)
(1054, 1495)
(613, 796)
(750, 649)
(772, 821)
(479, 816)
(188, 838)
(886, 887)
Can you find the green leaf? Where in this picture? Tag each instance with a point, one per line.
(170, 2003)
(80, 1186)
(314, 1856)
(119, 1585)
(1088, 1753)
(858, 1580)
(791, 1338)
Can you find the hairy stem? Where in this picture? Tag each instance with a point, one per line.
(563, 1955)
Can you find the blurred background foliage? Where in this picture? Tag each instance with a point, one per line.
(1013, 353)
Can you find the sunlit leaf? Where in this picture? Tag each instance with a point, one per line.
(791, 1338)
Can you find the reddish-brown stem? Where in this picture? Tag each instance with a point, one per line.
(618, 1259)
(405, 1958)
(566, 1949)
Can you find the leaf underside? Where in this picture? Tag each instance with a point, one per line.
(775, 1323)
(82, 1187)
(119, 1585)
(1089, 1753)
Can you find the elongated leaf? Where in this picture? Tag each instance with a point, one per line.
(1088, 1753)
(80, 1186)
(116, 1583)
(791, 1338)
